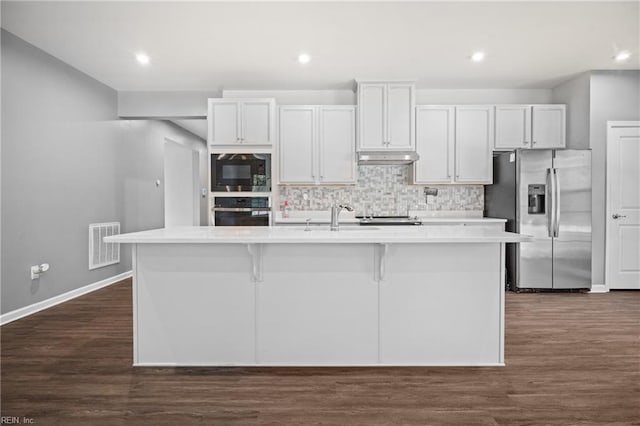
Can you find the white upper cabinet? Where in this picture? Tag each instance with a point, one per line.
(513, 127)
(223, 119)
(435, 131)
(241, 121)
(297, 144)
(337, 144)
(385, 116)
(474, 143)
(372, 116)
(530, 126)
(454, 144)
(548, 126)
(317, 144)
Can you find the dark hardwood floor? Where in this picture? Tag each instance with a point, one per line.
(571, 359)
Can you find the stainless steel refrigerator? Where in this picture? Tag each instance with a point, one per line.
(545, 194)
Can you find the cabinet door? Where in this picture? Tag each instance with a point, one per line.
(297, 140)
(513, 127)
(337, 163)
(548, 122)
(371, 113)
(434, 144)
(474, 141)
(257, 127)
(223, 120)
(400, 104)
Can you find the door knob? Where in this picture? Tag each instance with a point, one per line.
(618, 216)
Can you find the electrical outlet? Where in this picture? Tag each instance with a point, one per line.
(36, 270)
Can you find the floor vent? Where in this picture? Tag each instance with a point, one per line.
(101, 253)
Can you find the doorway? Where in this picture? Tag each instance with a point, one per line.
(181, 185)
(623, 205)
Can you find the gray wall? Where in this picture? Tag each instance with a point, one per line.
(67, 161)
(575, 94)
(615, 96)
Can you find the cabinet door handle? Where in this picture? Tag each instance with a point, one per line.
(618, 216)
(533, 143)
(525, 143)
(237, 140)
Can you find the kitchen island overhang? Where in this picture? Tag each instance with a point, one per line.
(271, 296)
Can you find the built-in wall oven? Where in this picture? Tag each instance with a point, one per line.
(240, 172)
(241, 211)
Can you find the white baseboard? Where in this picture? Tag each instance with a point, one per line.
(37, 307)
(599, 288)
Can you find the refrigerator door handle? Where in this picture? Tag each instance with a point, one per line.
(556, 204)
(550, 203)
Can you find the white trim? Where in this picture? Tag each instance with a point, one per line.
(323, 364)
(599, 288)
(65, 297)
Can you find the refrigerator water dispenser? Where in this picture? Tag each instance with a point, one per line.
(536, 204)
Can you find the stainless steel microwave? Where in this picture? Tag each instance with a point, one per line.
(240, 172)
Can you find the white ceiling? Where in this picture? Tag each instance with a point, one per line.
(243, 45)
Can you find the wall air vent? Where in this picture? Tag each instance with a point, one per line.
(100, 253)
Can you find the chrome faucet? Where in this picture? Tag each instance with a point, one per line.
(335, 212)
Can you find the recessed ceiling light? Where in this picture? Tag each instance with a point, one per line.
(143, 58)
(622, 56)
(304, 58)
(477, 56)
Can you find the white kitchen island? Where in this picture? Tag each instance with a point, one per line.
(361, 296)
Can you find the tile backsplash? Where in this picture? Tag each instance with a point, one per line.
(384, 191)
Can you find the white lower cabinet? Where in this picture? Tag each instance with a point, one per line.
(305, 303)
(454, 144)
(184, 319)
(317, 306)
(429, 309)
(317, 144)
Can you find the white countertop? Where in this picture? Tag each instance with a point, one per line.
(293, 235)
(426, 216)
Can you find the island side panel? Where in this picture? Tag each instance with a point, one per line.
(195, 305)
(318, 305)
(440, 304)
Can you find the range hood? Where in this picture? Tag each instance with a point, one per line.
(373, 158)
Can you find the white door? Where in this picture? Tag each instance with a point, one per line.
(224, 122)
(435, 138)
(474, 143)
(336, 145)
(623, 205)
(181, 182)
(513, 127)
(400, 104)
(548, 126)
(297, 141)
(372, 116)
(257, 122)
